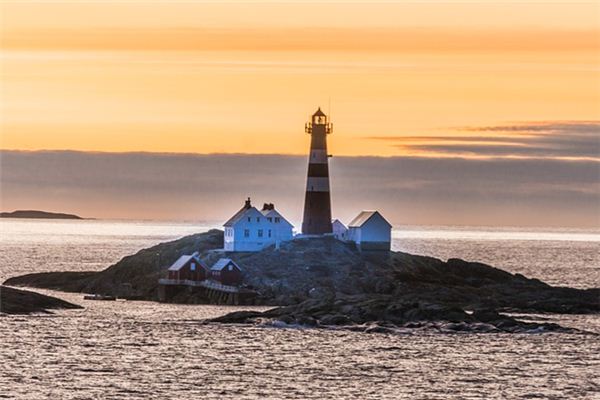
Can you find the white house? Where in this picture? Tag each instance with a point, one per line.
(253, 230)
(340, 231)
(370, 231)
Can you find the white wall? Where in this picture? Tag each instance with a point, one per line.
(354, 234)
(340, 231)
(376, 229)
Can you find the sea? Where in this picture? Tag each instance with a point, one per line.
(146, 350)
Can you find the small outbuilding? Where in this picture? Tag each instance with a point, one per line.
(227, 272)
(189, 267)
(370, 231)
(340, 231)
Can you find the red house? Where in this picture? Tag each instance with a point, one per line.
(227, 272)
(189, 267)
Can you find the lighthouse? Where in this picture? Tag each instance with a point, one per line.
(317, 203)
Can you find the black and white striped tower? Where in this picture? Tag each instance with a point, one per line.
(317, 203)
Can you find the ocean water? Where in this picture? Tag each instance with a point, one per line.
(144, 350)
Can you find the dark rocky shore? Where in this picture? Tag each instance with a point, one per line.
(16, 301)
(326, 282)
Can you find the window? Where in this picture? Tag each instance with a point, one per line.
(230, 268)
(193, 267)
(257, 219)
(246, 232)
(269, 233)
(270, 219)
(249, 219)
(277, 219)
(260, 233)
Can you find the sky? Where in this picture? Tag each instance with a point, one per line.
(491, 85)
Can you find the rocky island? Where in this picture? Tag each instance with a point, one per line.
(38, 214)
(16, 301)
(327, 282)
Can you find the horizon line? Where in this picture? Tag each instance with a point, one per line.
(405, 156)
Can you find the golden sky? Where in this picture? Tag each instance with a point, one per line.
(242, 77)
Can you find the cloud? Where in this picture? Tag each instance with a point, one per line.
(397, 39)
(575, 140)
(408, 190)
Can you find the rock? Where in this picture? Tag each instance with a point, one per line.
(287, 319)
(336, 319)
(456, 327)
(378, 329)
(134, 276)
(238, 317)
(484, 328)
(16, 301)
(320, 293)
(65, 281)
(487, 315)
(307, 321)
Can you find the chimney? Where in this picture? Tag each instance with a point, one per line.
(247, 204)
(268, 206)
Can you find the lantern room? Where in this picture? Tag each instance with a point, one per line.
(319, 117)
(320, 122)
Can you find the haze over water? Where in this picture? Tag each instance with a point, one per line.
(148, 350)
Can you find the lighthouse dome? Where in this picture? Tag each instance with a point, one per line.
(319, 113)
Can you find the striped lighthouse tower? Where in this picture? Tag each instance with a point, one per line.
(317, 203)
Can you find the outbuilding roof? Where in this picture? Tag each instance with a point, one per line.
(363, 217)
(338, 222)
(183, 260)
(222, 263)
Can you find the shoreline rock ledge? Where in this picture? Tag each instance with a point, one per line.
(326, 282)
(16, 301)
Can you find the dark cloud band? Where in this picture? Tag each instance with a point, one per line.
(408, 190)
(577, 140)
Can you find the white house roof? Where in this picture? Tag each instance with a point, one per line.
(237, 216)
(222, 263)
(363, 217)
(274, 213)
(242, 214)
(183, 260)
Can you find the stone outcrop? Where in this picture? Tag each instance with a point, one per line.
(133, 277)
(16, 301)
(386, 314)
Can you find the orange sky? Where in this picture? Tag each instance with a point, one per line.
(232, 77)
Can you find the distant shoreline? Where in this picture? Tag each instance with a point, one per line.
(36, 214)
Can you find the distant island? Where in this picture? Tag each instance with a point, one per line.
(38, 214)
